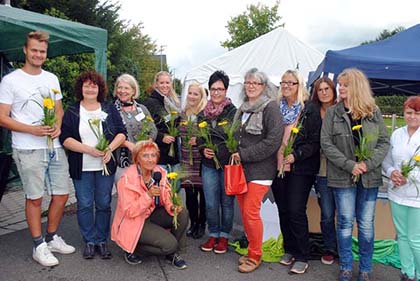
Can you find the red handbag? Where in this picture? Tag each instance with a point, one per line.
(235, 182)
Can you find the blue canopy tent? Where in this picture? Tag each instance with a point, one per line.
(392, 65)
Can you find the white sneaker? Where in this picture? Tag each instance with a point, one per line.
(59, 245)
(43, 255)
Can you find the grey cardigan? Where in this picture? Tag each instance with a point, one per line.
(259, 152)
(338, 146)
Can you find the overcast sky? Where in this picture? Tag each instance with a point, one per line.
(191, 30)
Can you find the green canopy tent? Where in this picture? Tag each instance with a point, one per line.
(66, 37)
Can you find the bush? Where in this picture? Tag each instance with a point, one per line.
(391, 104)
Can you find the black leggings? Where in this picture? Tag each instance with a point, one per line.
(291, 195)
(196, 204)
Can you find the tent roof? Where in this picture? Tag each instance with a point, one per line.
(66, 37)
(395, 58)
(274, 53)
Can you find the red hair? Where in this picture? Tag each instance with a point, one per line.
(142, 146)
(413, 103)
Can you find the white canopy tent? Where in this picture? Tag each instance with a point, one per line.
(272, 53)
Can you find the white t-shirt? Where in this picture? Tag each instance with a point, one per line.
(87, 136)
(21, 90)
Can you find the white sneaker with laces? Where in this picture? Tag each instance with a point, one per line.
(43, 255)
(59, 245)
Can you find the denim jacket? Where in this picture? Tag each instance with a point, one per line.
(338, 146)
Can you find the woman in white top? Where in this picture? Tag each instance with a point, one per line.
(403, 191)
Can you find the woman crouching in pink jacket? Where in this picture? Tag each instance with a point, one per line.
(144, 211)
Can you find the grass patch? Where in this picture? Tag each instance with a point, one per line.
(399, 122)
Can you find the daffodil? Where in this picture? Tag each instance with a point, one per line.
(223, 123)
(55, 91)
(184, 123)
(172, 176)
(48, 103)
(417, 158)
(174, 113)
(149, 118)
(202, 124)
(295, 130)
(356, 128)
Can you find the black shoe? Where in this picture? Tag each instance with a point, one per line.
(177, 261)
(132, 258)
(193, 228)
(103, 251)
(89, 251)
(200, 231)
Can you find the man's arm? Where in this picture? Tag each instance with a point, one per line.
(7, 122)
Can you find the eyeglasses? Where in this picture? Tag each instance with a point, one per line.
(320, 90)
(288, 83)
(219, 90)
(253, 84)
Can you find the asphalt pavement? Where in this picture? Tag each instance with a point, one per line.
(16, 263)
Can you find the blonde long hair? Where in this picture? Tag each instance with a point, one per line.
(201, 105)
(302, 94)
(360, 96)
(173, 94)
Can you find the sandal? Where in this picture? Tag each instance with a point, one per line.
(249, 265)
(299, 267)
(242, 260)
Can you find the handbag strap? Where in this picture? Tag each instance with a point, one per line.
(233, 161)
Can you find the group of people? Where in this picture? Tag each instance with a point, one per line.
(287, 142)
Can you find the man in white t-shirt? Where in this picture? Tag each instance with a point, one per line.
(42, 163)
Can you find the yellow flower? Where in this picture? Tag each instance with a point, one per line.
(223, 123)
(295, 130)
(184, 123)
(417, 158)
(174, 113)
(48, 103)
(202, 124)
(95, 122)
(149, 118)
(172, 176)
(55, 91)
(356, 128)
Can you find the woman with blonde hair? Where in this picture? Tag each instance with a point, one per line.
(354, 181)
(161, 103)
(133, 114)
(196, 101)
(297, 169)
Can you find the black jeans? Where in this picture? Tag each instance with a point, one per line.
(196, 205)
(155, 239)
(291, 195)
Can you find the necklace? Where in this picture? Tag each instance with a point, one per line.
(128, 113)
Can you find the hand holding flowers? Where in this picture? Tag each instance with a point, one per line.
(288, 149)
(176, 200)
(407, 169)
(204, 132)
(362, 152)
(189, 124)
(103, 144)
(172, 130)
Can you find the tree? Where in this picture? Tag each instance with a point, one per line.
(254, 22)
(385, 34)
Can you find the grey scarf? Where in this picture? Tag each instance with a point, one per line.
(255, 122)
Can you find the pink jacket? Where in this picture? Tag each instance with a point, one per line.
(134, 206)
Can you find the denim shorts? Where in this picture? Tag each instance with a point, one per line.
(38, 170)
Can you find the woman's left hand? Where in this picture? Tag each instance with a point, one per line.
(107, 156)
(236, 157)
(193, 141)
(289, 159)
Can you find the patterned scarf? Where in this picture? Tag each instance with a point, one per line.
(211, 110)
(290, 113)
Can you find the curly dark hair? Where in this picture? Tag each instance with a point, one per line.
(96, 79)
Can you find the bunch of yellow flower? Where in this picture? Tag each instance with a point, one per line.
(408, 167)
(176, 200)
(103, 144)
(146, 128)
(231, 142)
(172, 130)
(362, 151)
(204, 132)
(288, 149)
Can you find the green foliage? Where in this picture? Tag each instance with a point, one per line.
(391, 104)
(257, 20)
(385, 34)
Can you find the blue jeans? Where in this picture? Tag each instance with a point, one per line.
(216, 199)
(327, 205)
(356, 202)
(94, 190)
